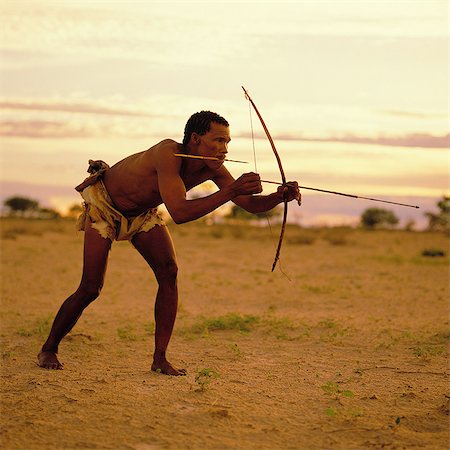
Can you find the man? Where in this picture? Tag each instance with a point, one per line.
(120, 203)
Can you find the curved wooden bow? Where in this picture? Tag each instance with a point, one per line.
(283, 177)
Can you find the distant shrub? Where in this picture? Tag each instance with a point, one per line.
(74, 211)
(217, 233)
(336, 237)
(378, 218)
(11, 231)
(11, 228)
(409, 225)
(302, 238)
(237, 212)
(238, 232)
(440, 221)
(433, 252)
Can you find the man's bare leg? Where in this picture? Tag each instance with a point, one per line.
(95, 258)
(157, 248)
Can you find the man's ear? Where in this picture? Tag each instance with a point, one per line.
(195, 138)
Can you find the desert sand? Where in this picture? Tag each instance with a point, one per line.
(350, 352)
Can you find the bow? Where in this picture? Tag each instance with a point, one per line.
(283, 177)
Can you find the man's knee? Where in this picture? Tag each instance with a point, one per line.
(89, 292)
(167, 272)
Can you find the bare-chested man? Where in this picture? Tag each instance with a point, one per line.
(120, 203)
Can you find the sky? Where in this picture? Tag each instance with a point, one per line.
(355, 93)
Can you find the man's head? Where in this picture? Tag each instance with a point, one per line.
(200, 123)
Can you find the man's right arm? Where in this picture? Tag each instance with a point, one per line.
(173, 190)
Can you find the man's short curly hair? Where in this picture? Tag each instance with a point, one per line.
(200, 123)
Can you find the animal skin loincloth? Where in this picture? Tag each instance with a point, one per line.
(104, 217)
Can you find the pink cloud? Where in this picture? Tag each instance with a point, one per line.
(44, 129)
(413, 114)
(421, 140)
(76, 107)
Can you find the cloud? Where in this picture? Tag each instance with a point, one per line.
(159, 33)
(73, 107)
(53, 129)
(45, 129)
(59, 118)
(413, 114)
(72, 129)
(420, 140)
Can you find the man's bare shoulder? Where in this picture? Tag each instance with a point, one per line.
(165, 148)
(165, 145)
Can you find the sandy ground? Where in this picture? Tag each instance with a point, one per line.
(351, 353)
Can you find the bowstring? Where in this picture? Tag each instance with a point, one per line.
(260, 194)
(253, 137)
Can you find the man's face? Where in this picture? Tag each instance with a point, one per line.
(214, 142)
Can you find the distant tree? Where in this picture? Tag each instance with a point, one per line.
(75, 210)
(410, 225)
(21, 206)
(378, 218)
(441, 220)
(48, 213)
(241, 214)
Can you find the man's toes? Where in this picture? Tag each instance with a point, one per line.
(53, 366)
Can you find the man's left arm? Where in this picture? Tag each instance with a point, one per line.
(256, 204)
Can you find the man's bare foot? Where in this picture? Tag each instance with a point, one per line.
(48, 360)
(164, 366)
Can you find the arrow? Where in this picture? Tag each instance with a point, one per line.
(345, 195)
(210, 158)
